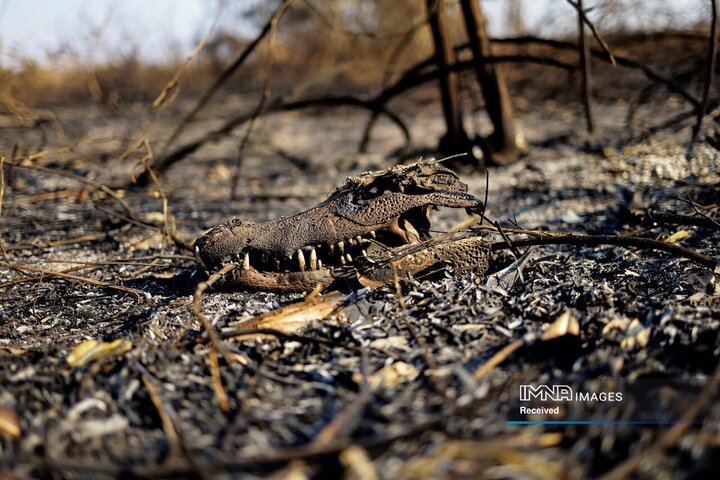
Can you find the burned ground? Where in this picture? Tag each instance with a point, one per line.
(408, 383)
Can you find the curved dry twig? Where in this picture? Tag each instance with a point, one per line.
(279, 106)
(78, 178)
(414, 77)
(215, 341)
(139, 294)
(625, 62)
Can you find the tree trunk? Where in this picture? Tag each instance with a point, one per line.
(455, 139)
(585, 78)
(502, 147)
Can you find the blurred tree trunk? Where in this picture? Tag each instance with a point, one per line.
(585, 76)
(502, 147)
(455, 139)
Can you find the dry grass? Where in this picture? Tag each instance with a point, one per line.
(129, 80)
(343, 61)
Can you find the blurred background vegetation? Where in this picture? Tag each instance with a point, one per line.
(102, 56)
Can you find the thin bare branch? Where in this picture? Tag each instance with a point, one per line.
(166, 94)
(278, 105)
(269, 61)
(220, 80)
(584, 19)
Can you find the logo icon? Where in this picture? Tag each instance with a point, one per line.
(545, 393)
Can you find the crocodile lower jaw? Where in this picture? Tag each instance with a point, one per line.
(249, 278)
(467, 254)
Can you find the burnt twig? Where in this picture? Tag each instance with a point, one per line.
(342, 426)
(509, 244)
(618, 240)
(139, 294)
(170, 426)
(499, 357)
(702, 214)
(651, 217)
(215, 342)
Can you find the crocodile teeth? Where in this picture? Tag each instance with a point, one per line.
(348, 258)
(301, 260)
(411, 234)
(364, 253)
(351, 242)
(331, 248)
(342, 260)
(394, 227)
(359, 239)
(372, 233)
(341, 246)
(246, 262)
(319, 265)
(313, 260)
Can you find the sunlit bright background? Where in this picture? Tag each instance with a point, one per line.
(160, 30)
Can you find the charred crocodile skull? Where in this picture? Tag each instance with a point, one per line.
(374, 212)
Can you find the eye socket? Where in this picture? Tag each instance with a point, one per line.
(443, 178)
(369, 194)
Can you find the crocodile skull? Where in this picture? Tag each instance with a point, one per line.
(372, 212)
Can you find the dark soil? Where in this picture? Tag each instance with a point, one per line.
(393, 390)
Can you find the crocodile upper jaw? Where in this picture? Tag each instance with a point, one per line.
(321, 263)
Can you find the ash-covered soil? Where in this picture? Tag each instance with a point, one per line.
(419, 382)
